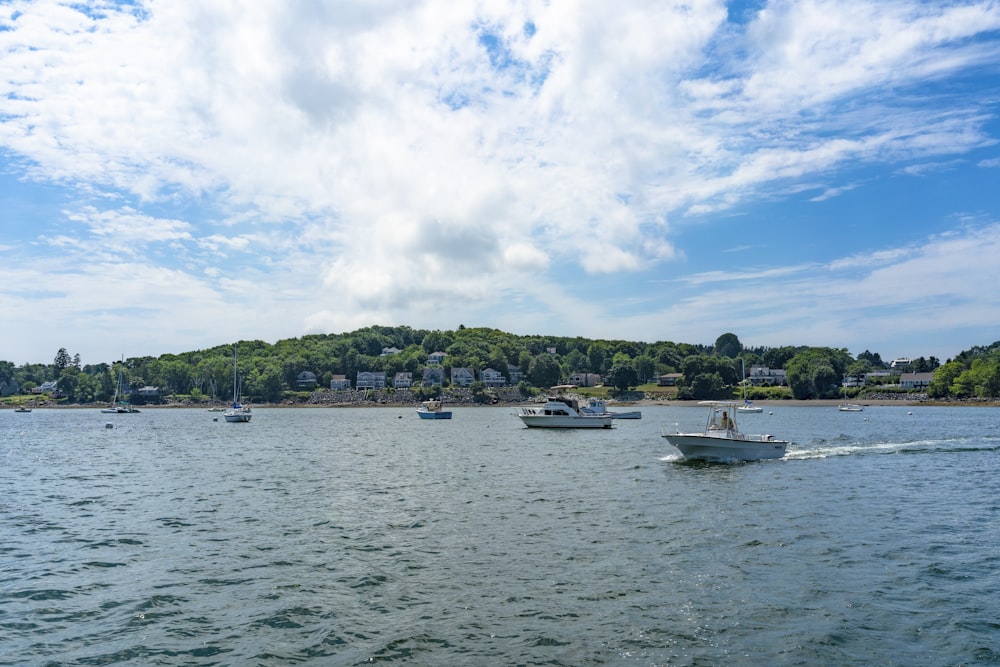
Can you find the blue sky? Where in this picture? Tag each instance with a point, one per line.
(177, 175)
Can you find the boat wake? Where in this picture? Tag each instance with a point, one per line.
(828, 449)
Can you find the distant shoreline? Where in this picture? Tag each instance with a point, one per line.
(816, 402)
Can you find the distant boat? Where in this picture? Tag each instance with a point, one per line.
(562, 412)
(239, 412)
(597, 406)
(21, 408)
(119, 406)
(748, 405)
(432, 409)
(849, 407)
(721, 440)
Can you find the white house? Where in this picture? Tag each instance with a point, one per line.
(370, 380)
(339, 382)
(403, 380)
(433, 377)
(462, 377)
(492, 378)
(915, 380)
(762, 375)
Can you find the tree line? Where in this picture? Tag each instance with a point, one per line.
(269, 372)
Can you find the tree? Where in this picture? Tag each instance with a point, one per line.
(873, 358)
(645, 366)
(544, 371)
(622, 376)
(728, 345)
(595, 358)
(707, 378)
(944, 377)
(817, 372)
(62, 361)
(707, 386)
(68, 378)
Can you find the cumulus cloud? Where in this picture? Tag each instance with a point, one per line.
(369, 162)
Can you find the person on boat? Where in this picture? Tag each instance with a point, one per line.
(727, 421)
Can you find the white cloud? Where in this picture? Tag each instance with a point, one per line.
(365, 162)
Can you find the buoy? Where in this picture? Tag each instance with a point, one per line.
(109, 425)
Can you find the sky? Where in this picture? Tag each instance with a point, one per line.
(180, 174)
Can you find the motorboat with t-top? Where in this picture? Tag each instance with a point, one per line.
(432, 409)
(561, 412)
(721, 440)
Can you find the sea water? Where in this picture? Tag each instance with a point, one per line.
(356, 536)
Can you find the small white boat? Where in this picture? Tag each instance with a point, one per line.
(119, 406)
(597, 406)
(847, 406)
(561, 412)
(721, 440)
(748, 406)
(237, 413)
(432, 409)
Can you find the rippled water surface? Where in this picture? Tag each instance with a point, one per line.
(351, 536)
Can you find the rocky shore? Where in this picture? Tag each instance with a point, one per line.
(513, 397)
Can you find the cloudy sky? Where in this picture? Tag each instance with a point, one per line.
(180, 174)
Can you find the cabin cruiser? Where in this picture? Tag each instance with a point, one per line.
(562, 412)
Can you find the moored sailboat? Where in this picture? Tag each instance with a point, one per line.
(748, 405)
(239, 412)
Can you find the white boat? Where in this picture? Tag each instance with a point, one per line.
(849, 407)
(561, 412)
(239, 412)
(432, 409)
(748, 405)
(721, 440)
(597, 406)
(119, 406)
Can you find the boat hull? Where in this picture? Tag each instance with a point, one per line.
(699, 447)
(427, 414)
(237, 417)
(564, 421)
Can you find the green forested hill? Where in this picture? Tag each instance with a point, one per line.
(269, 371)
